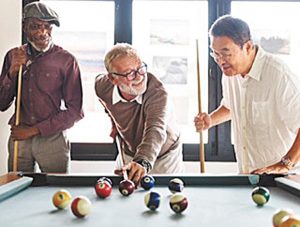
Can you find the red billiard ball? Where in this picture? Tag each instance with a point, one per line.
(81, 206)
(260, 195)
(61, 199)
(147, 182)
(126, 187)
(176, 185)
(178, 203)
(103, 189)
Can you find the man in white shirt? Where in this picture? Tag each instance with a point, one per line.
(261, 97)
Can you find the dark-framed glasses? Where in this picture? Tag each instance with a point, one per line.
(142, 70)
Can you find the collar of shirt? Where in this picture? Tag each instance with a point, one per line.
(255, 71)
(116, 97)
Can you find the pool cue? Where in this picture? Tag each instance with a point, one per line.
(16, 142)
(125, 175)
(201, 149)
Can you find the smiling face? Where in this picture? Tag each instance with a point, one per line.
(232, 58)
(38, 33)
(129, 88)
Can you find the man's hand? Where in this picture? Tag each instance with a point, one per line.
(202, 122)
(19, 57)
(135, 172)
(23, 133)
(277, 168)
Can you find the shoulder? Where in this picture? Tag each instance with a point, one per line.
(155, 90)
(58, 51)
(103, 85)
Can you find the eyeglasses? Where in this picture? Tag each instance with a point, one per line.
(219, 56)
(142, 70)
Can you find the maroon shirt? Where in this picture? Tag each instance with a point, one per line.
(51, 91)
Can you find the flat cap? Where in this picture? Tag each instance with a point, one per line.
(40, 11)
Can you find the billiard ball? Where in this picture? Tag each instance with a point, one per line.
(176, 185)
(178, 203)
(106, 179)
(61, 199)
(81, 206)
(103, 189)
(152, 200)
(126, 187)
(290, 221)
(280, 214)
(260, 195)
(147, 182)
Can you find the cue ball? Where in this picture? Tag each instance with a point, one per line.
(280, 214)
(103, 189)
(61, 199)
(152, 200)
(147, 182)
(176, 185)
(178, 203)
(260, 195)
(81, 206)
(290, 221)
(126, 187)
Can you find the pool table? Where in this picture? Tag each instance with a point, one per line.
(214, 200)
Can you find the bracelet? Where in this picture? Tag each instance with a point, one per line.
(145, 163)
(286, 161)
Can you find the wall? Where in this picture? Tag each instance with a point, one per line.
(10, 27)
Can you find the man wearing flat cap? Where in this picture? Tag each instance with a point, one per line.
(51, 94)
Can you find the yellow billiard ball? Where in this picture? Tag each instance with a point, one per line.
(61, 199)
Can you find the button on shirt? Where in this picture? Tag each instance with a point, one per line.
(265, 111)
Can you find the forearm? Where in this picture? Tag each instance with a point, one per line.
(294, 152)
(220, 115)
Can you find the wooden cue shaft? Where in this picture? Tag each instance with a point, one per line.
(16, 143)
(201, 149)
(125, 175)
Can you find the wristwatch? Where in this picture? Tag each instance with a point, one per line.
(286, 161)
(146, 164)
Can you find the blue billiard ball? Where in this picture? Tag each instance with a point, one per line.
(260, 195)
(176, 185)
(147, 182)
(152, 200)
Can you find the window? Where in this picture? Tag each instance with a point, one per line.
(87, 29)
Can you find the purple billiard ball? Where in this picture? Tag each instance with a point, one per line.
(147, 182)
(176, 185)
(126, 187)
(178, 203)
(105, 179)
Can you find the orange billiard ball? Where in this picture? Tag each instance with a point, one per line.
(81, 206)
(61, 199)
(290, 221)
(279, 215)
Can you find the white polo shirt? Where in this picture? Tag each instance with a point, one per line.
(265, 111)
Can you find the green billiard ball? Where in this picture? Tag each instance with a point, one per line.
(260, 195)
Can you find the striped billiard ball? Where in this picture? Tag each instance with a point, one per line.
(152, 200)
(81, 206)
(176, 185)
(178, 203)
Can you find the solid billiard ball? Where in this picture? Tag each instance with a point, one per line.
(81, 206)
(126, 187)
(280, 214)
(260, 195)
(176, 185)
(103, 189)
(61, 199)
(178, 203)
(147, 182)
(290, 221)
(152, 200)
(106, 179)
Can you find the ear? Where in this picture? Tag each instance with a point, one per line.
(112, 79)
(249, 46)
